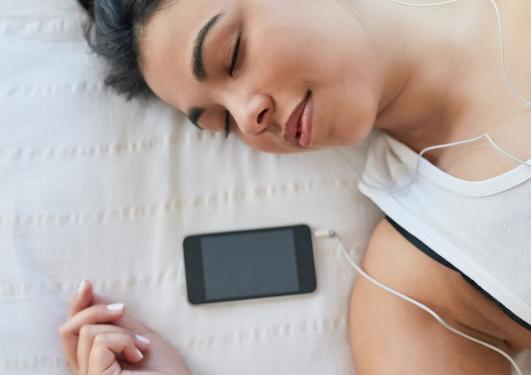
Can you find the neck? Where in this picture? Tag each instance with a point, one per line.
(429, 63)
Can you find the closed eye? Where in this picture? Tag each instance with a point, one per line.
(235, 55)
(234, 62)
(227, 124)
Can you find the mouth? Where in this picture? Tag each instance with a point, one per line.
(298, 129)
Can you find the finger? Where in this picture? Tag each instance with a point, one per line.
(82, 300)
(105, 349)
(127, 321)
(96, 314)
(87, 335)
(69, 331)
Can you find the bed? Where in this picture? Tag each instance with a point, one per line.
(95, 187)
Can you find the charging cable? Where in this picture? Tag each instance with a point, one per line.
(333, 235)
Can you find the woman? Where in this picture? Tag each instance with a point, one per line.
(343, 68)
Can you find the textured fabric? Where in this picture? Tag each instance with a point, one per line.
(481, 227)
(93, 187)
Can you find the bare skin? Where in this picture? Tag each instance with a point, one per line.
(391, 336)
(100, 338)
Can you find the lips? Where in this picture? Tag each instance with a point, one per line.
(298, 127)
(305, 122)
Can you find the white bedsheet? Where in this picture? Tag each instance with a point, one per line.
(92, 187)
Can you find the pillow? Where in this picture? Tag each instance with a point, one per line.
(94, 187)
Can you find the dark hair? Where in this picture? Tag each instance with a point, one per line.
(112, 31)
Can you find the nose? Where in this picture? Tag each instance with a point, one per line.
(253, 115)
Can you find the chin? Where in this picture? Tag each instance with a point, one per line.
(358, 135)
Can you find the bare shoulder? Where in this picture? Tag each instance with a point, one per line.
(394, 261)
(390, 256)
(389, 336)
(380, 323)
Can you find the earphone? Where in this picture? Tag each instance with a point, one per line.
(333, 235)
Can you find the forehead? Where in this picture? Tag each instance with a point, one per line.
(166, 46)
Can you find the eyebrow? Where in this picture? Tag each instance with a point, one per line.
(198, 64)
(197, 57)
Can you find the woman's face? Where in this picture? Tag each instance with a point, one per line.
(308, 59)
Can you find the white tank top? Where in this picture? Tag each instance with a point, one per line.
(483, 228)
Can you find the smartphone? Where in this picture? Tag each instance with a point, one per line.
(246, 264)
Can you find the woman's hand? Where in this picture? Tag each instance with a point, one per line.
(102, 339)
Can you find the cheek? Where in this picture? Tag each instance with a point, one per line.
(266, 143)
(355, 119)
(260, 143)
(281, 50)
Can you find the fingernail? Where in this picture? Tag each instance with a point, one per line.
(115, 307)
(81, 286)
(143, 339)
(140, 354)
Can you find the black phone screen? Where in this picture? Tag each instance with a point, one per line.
(249, 264)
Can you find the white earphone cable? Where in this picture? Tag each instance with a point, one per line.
(420, 5)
